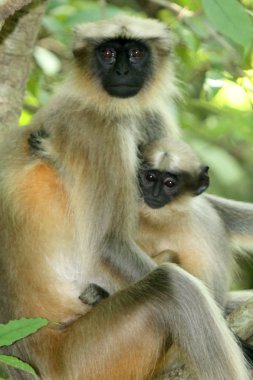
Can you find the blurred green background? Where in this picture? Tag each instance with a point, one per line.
(214, 67)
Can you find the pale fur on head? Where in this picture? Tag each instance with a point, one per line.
(172, 155)
(123, 26)
(88, 88)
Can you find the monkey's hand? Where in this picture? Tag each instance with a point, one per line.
(41, 145)
(93, 294)
(167, 256)
(36, 139)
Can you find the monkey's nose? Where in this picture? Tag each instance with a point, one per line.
(122, 72)
(156, 190)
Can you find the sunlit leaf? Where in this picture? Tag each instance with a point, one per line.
(18, 329)
(48, 61)
(233, 95)
(25, 118)
(230, 18)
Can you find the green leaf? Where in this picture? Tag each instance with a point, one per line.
(17, 363)
(18, 329)
(3, 373)
(230, 18)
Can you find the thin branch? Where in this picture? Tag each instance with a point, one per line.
(9, 7)
(103, 5)
(183, 14)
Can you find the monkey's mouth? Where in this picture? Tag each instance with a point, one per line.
(123, 90)
(152, 203)
(124, 85)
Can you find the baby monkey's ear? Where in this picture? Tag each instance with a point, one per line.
(202, 181)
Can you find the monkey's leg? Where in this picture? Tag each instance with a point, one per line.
(127, 335)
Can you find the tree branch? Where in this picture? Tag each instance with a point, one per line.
(9, 7)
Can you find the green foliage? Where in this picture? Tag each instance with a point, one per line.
(18, 329)
(12, 332)
(226, 16)
(16, 363)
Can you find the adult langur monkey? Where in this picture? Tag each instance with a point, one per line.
(61, 215)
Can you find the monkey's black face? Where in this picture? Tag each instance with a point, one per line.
(159, 188)
(123, 66)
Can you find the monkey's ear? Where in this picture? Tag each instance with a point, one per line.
(203, 181)
(82, 44)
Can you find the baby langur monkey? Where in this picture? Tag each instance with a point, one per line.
(170, 175)
(175, 225)
(170, 172)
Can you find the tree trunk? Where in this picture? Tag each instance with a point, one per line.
(17, 38)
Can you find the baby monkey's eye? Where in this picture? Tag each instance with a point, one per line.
(170, 182)
(150, 177)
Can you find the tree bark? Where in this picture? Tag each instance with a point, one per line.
(17, 39)
(9, 7)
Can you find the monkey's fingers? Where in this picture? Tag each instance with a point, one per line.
(93, 294)
(35, 139)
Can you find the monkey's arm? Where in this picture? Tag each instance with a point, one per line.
(167, 256)
(122, 257)
(237, 217)
(94, 293)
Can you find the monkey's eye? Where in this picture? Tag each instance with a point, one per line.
(135, 54)
(108, 54)
(150, 177)
(170, 182)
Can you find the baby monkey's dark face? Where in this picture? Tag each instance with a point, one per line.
(158, 187)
